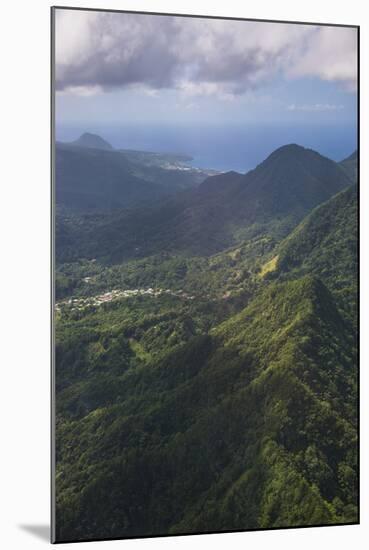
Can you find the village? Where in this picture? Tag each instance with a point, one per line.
(116, 294)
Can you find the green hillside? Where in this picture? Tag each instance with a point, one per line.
(91, 176)
(349, 165)
(251, 425)
(223, 211)
(206, 357)
(326, 244)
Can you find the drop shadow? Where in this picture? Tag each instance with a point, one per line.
(40, 531)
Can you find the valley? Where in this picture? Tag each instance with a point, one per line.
(206, 348)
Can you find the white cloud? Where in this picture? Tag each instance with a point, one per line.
(316, 107)
(99, 51)
(331, 54)
(85, 91)
(73, 37)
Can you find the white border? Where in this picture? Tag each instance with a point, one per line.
(25, 238)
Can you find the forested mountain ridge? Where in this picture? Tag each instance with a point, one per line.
(249, 437)
(326, 244)
(349, 165)
(223, 211)
(89, 179)
(228, 400)
(92, 176)
(292, 179)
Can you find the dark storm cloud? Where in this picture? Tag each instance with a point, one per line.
(102, 51)
(114, 51)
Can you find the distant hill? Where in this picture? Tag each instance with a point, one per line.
(92, 141)
(91, 179)
(292, 179)
(92, 176)
(224, 210)
(349, 165)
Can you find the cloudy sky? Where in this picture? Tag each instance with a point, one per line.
(132, 69)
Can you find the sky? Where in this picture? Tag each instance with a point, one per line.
(225, 91)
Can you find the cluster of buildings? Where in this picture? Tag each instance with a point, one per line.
(83, 302)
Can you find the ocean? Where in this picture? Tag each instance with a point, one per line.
(223, 148)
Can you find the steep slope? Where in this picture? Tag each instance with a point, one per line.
(91, 177)
(223, 211)
(326, 244)
(276, 195)
(349, 165)
(88, 179)
(252, 425)
(291, 180)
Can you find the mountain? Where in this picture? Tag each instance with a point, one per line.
(220, 185)
(92, 179)
(92, 141)
(291, 180)
(349, 165)
(224, 210)
(249, 426)
(323, 244)
(326, 244)
(220, 392)
(91, 176)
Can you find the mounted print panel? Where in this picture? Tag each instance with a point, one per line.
(205, 274)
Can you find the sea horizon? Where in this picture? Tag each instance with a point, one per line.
(223, 148)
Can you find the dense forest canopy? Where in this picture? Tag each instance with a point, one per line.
(206, 343)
